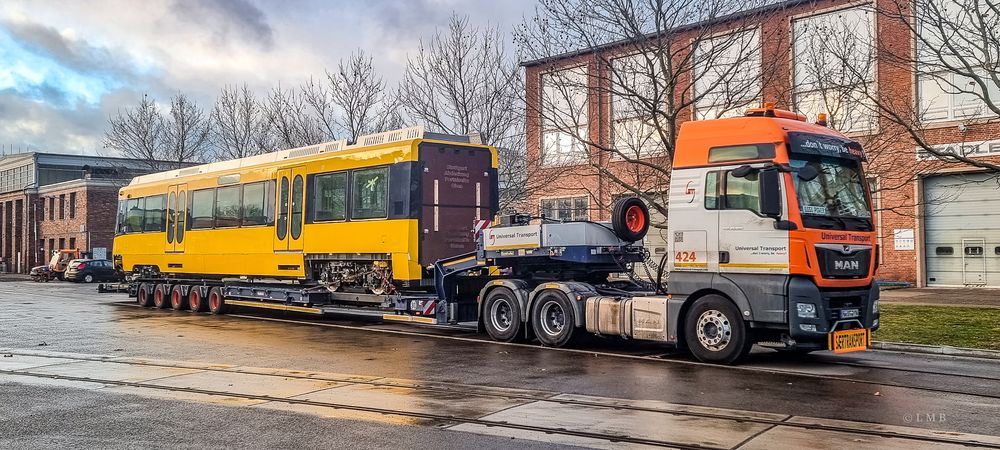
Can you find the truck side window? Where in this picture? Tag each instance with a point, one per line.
(742, 193)
(712, 190)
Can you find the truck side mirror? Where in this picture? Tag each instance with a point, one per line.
(741, 171)
(770, 193)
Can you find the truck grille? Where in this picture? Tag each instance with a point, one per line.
(843, 261)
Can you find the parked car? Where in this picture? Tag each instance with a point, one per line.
(91, 270)
(41, 273)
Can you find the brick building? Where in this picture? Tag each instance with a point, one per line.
(938, 222)
(53, 201)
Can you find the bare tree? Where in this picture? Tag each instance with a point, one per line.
(658, 63)
(241, 126)
(139, 133)
(464, 81)
(187, 130)
(289, 118)
(353, 100)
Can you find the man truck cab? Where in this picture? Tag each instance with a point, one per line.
(771, 236)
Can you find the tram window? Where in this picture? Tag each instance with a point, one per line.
(253, 205)
(282, 225)
(227, 207)
(181, 215)
(369, 193)
(297, 207)
(330, 196)
(171, 210)
(155, 215)
(202, 202)
(133, 218)
(120, 221)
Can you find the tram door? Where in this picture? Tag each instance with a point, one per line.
(289, 209)
(177, 213)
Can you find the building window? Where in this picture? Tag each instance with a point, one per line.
(370, 193)
(62, 243)
(52, 246)
(727, 74)
(634, 88)
(72, 205)
(62, 206)
(330, 197)
(52, 208)
(72, 242)
(564, 116)
(949, 39)
(835, 75)
(566, 208)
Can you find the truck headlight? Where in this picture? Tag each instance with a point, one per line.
(808, 327)
(806, 310)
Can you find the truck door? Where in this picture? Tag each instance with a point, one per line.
(176, 218)
(692, 239)
(289, 209)
(748, 241)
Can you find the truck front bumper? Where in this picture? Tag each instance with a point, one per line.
(813, 312)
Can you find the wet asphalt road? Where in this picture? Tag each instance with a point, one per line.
(886, 388)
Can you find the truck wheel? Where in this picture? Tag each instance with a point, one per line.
(177, 300)
(630, 219)
(216, 304)
(553, 319)
(160, 296)
(143, 296)
(195, 302)
(502, 315)
(715, 331)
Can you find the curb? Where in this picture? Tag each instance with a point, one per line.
(935, 349)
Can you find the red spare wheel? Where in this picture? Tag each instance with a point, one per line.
(630, 219)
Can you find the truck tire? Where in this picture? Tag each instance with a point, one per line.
(715, 331)
(502, 315)
(161, 296)
(143, 297)
(216, 303)
(196, 303)
(178, 301)
(630, 219)
(553, 318)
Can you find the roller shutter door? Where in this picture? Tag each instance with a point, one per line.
(962, 230)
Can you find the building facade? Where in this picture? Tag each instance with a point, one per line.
(938, 220)
(53, 201)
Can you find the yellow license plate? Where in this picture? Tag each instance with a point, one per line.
(844, 341)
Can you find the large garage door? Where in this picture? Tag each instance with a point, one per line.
(962, 230)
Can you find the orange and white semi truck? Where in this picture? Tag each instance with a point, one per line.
(771, 239)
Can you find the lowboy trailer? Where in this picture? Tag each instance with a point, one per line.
(771, 232)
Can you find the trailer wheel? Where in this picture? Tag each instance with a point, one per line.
(161, 296)
(195, 302)
(715, 331)
(502, 315)
(177, 300)
(143, 297)
(553, 319)
(216, 304)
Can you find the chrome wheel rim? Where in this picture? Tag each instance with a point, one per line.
(553, 318)
(501, 315)
(714, 330)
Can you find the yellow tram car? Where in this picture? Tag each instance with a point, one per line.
(373, 216)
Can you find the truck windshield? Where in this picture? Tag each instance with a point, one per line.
(836, 198)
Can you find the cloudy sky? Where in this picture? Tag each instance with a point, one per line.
(65, 66)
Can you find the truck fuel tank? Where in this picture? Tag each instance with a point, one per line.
(642, 318)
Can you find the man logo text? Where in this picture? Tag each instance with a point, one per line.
(846, 265)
